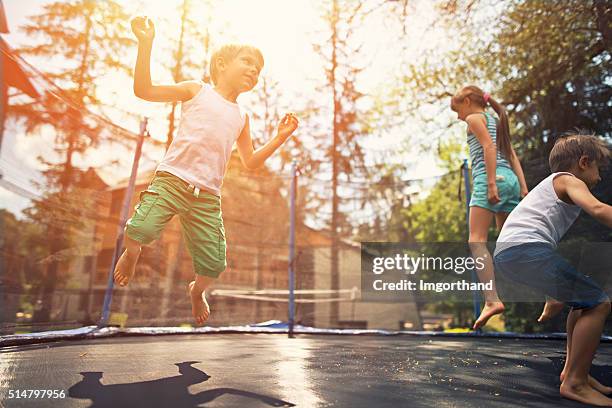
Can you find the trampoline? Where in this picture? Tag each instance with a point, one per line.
(259, 370)
(290, 258)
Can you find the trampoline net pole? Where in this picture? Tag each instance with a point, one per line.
(292, 250)
(108, 296)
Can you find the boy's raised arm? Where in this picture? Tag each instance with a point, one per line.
(580, 194)
(251, 158)
(144, 30)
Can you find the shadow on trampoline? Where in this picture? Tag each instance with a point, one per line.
(169, 391)
(309, 370)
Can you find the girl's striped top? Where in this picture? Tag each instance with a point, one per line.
(476, 151)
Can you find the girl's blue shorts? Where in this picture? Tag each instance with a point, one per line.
(508, 189)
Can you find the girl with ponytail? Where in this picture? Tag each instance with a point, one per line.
(497, 179)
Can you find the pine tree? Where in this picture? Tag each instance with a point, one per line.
(190, 52)
(348, 125)
(87, 38)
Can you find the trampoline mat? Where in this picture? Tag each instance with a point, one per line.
(261, 370)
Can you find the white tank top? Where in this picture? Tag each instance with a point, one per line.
(540, 217)
(209, 127)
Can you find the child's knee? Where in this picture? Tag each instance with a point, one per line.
(132, 244)
(210, 271)
(477, 244)
(143, 234)
(476, 239)
(202, 282)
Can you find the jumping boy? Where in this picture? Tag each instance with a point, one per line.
(188, 180)
(526, 253)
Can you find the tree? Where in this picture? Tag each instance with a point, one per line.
(90, 45)
(344, 64)
(88, 38)
(189, 65)
(21, 244)
(548, 62)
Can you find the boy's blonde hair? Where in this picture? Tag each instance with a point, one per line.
(568, 149)
(228, 52)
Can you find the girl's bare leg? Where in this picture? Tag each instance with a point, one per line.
(480, 220)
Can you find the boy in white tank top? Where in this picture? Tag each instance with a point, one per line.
(526, 253)
(188, 180)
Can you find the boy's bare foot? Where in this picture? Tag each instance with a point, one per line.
(584, 393)
(124, 270)
(199, 305)
(490, 309)
(604, 389)
(551, 309)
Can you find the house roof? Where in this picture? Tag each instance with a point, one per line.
(3, 24)
(12, 71)
(143, 177)
(323, 237)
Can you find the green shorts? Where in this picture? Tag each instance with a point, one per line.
(508, 189)
(200, 216)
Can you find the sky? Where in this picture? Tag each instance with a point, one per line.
(283, 30)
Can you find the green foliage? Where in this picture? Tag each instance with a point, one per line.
(441, 216)
(91, 43)
(549, 63)
(555, 68)
(89, 38)
(22, 245)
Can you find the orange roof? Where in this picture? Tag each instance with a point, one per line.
(13, 73)
(143, 177)
(3, 24)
